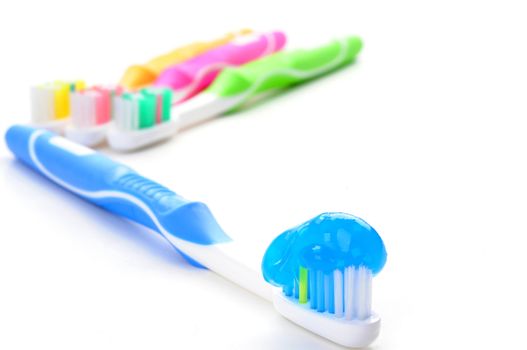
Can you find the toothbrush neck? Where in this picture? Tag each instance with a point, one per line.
(242, 265)
(232, 260)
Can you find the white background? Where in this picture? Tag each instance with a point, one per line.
(424, 137)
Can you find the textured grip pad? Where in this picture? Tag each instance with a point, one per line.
(286, 68)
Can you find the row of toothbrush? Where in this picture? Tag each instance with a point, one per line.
(317, 274)
(198, 82)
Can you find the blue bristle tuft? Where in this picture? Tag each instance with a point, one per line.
(288, 290)
(296, 289)
(312, 289)
(320, 292)
(331, 295)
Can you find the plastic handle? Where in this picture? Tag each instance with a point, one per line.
(285, 68)
(137, 76)
(114, 186)
(196, 74)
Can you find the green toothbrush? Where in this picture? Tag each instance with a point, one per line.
(235, 86)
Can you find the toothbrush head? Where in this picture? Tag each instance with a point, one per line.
(50, 103)
(141, 118)
(91, 112)
(323, 269)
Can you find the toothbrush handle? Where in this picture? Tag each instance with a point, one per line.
(137, 76)
(160, 63)
(285, 68)
(196, 74)
(114, 186)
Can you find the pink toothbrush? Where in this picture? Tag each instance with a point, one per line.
(189, 78)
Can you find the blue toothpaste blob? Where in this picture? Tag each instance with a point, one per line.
(325, 243)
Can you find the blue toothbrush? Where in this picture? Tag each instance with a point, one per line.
(321, 270)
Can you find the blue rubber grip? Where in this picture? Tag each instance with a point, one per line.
(114, 186)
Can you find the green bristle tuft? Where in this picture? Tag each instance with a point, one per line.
(166, 100)
(147, 110)
(167, 104)
(302, 295)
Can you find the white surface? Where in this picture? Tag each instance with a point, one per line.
(424, 138)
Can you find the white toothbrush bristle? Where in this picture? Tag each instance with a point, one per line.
(82, 110)
(42, 104)
(127, 114)
(118, 112)
(363, 287)
(349, 292)
(326, 292)
(92, 107)
(135, 115)
(337, 289)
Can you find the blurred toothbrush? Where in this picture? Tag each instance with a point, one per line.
(321, 270)
(190, 77)
(50, 104)
(235, 86)
(138, 76)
